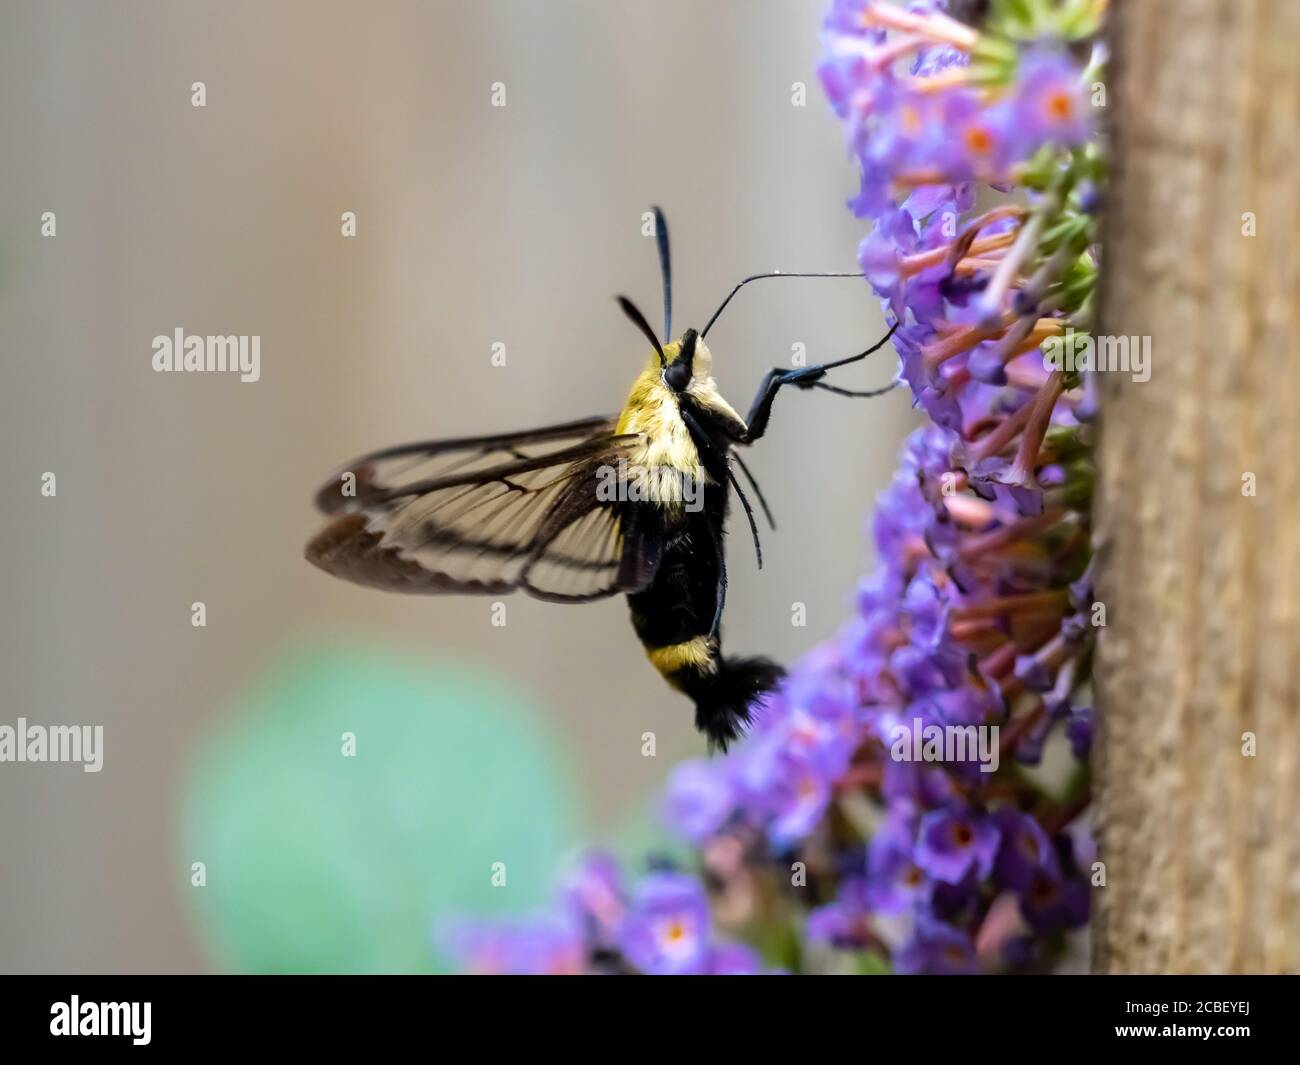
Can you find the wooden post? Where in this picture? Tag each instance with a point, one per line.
(1199, 493)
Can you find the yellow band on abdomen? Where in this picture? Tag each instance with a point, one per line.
(695, 654)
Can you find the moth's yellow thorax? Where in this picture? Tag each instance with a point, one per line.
(666, 453)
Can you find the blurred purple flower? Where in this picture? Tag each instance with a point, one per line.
(938, 949)
(1049, 102)
(699, 799)
(953, 843)
(667, 928)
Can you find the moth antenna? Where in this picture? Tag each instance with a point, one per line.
(665, 271)
(759, 277)
(638, 319)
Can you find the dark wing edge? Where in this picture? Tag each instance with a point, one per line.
(349, 549)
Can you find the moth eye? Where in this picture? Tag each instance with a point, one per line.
(677, 376)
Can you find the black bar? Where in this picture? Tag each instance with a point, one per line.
(1014, 1016)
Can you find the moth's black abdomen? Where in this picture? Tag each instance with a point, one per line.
(674, 618)
(725, 698)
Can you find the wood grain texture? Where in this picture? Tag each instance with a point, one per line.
(1201, 582)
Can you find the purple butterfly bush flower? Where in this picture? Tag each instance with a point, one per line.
(954, 843)
(937, 948)
(700, 799)
(789, 794)
(844, 923)
(896, 883)
(663, 926)
(594, 896)
(978, 142)
(667, 929)
(1025, 852)
(1049, 103)
(1079, 731)
(1055, 901)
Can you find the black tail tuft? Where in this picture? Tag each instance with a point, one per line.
(723, 704)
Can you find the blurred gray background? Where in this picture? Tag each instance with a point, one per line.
(475, 225)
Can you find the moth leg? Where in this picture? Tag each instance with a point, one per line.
(767, 511)
(803, 377)
(704, 442)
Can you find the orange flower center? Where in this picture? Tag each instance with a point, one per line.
(1060, 106)
(978, 140)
